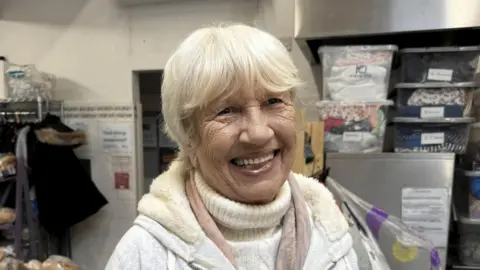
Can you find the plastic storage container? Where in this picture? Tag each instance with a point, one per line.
(353, 127)
(439, 64)
(432, 135)
(474, 194)
(469, 241)
(471, 159)
(435, 100)
(356, 73)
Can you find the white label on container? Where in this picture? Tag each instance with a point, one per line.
(349, 136)
(432, 138)
(432, 112)
(426, 210)
(437, 74)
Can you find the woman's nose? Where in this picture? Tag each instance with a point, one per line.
(256, 130)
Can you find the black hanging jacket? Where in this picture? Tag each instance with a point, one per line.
(66, 194)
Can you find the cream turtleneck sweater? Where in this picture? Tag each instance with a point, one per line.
(253, 231)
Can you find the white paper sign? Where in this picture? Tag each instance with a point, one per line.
(432, 112)
(427, 211)
(349, 136)
(84, 125)
(116, 137)
(436, 74)
(432, 138)
(79, 125)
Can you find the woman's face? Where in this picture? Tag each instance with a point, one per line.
(247, 145)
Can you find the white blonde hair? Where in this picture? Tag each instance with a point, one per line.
(216, 61)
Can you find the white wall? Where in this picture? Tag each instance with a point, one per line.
(93, 45)
(155, 32)
(84, 42)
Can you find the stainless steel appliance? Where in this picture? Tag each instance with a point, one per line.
(403, 185)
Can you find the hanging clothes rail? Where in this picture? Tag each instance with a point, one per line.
(18, 112)
(31, 109)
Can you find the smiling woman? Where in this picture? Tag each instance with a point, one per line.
(230, 200)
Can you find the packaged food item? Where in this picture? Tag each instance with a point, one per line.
(34, 265)
(26, 81)
(353, 127)
(8, 166)
(10, 263)
(56, 262)
(7, 215)
(356, 73)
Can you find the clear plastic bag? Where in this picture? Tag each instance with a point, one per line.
(391, 244)
(356, 73)
(26, 81)
(8, 260)
(56, 262)
(34, 265)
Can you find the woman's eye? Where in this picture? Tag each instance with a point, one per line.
(272, 101)
(225, 111)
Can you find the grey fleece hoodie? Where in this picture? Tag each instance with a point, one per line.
(166, 235)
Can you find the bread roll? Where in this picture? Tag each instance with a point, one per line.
(9, 263)
(34, 265)
(59, 262)
(7, 215)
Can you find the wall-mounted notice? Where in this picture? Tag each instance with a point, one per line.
(121, 171)
(427, 211)
(83, 125)
(116, 137)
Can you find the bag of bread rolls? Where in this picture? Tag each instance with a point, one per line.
(8, 165)
(7, 215)
(59, 263)
(10, 263)
(34, 265)
(6, 252)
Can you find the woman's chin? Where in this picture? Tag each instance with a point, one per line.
(260, 185)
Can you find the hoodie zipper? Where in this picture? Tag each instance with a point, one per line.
(331, 265)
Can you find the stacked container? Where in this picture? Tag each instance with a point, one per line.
(435, 99)
(354, 104)
(469, 220)
(435, 105)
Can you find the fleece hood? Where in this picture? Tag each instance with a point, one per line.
(166, 214)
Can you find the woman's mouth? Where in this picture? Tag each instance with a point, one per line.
(254, 163)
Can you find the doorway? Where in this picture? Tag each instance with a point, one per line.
(157, 149)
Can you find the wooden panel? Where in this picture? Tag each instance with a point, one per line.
(299, 162)
(315, 130)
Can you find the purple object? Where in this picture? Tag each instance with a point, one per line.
(375, 219)
(434, 258)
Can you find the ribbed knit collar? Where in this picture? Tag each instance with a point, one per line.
(243, 222)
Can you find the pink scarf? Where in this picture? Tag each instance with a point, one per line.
(296, 230)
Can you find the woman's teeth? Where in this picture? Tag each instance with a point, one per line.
(253, 161)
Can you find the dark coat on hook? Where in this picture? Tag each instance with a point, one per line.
(66, 194)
